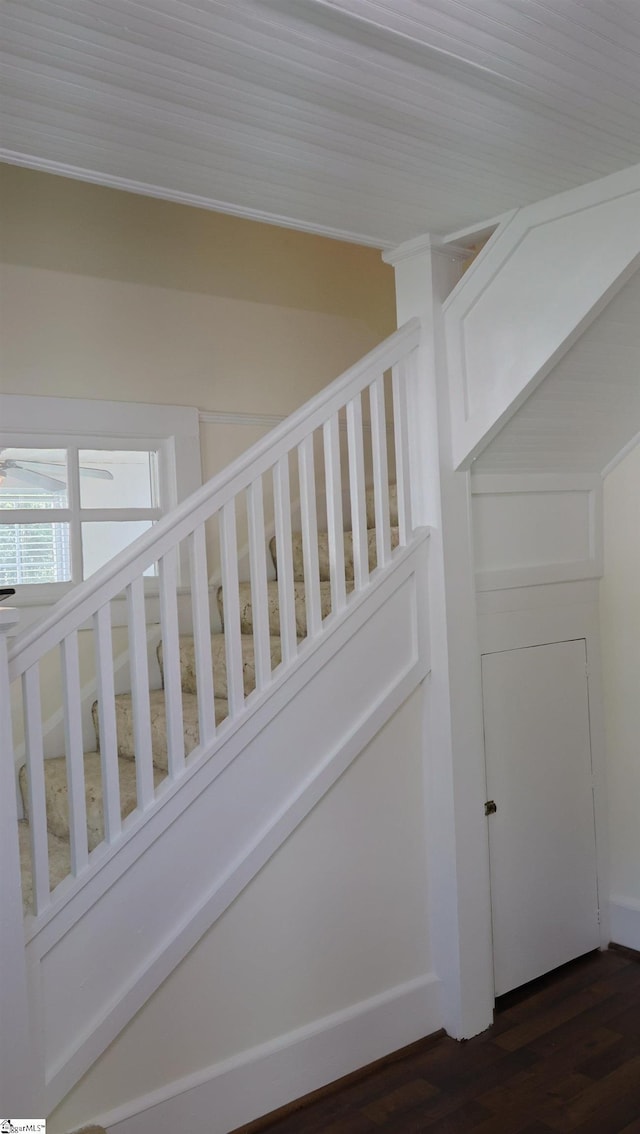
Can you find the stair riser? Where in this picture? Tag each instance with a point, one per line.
(57, 797)
(323, 554)
(125, 729)
(246, 607)
(219, 660)
(393, 507)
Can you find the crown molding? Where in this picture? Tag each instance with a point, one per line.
(420, 245)
(142, 189)
(215, 417)
(409, 248)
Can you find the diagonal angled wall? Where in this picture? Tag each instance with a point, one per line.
(544, 276)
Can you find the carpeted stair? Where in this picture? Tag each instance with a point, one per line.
(55, 769)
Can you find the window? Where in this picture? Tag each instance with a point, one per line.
(80, 480)
(66, 512)
(32, 552)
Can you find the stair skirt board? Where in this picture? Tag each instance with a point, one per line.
(289, 748)
(229, 1094)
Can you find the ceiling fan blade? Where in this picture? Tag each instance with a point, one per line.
(102, 474)
(11, 463)
(30, 476)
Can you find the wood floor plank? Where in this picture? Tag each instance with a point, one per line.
(457, 1119)
(395, 1103)
(563, 1057)
(547, 1021)
(600, 1096)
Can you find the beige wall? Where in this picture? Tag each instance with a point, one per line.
(110, 295)
(620, 623)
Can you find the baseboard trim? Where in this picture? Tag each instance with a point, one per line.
(337, 1086)
(624, 921)
(239, 1090)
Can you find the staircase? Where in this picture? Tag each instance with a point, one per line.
(55, 769)
(139, 839)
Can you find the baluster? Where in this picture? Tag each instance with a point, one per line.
(357, 491)
(19, 1046)
(36, 787)
(107, 723)
(74, 751)
(201, 616)
(171, 662)
(335, 522)
(284, 551)
(401, 436)
(309, 525)
(380, 470)
(139, 667)
(258, 576)
(232, 641)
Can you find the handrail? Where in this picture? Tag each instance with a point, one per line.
(75, 608)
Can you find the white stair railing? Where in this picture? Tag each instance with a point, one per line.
(179, 545)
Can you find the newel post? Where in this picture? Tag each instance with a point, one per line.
(459, 895)
(18, 1077)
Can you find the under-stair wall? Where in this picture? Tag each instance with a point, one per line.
(320, 966)
(120, 897)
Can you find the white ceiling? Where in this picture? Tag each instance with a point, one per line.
(368, 119)
(587, 409)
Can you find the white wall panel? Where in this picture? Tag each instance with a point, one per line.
(535, 529)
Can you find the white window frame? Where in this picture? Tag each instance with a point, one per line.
(77, 423)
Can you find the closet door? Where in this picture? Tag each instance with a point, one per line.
(541, 835)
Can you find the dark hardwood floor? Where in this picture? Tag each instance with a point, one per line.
(562, 1055)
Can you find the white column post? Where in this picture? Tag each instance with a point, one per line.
(458, 857)
(18, 1075)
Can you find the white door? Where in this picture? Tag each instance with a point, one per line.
(541, 837)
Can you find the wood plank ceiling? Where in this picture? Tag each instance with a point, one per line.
(375, 120)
